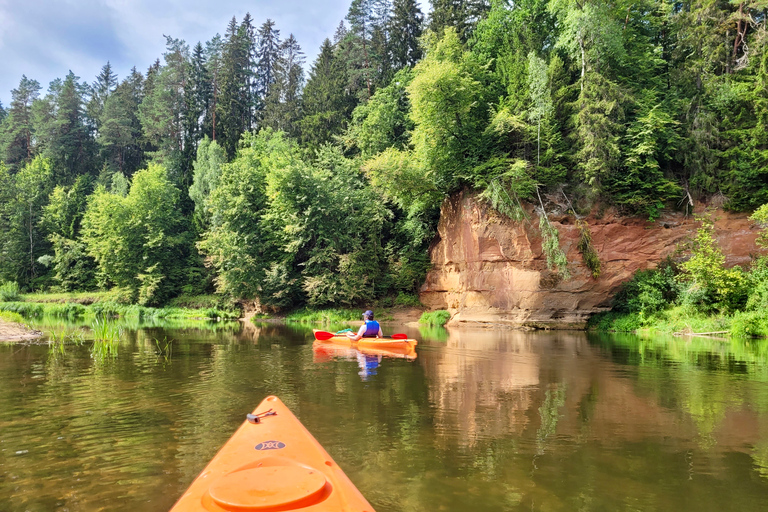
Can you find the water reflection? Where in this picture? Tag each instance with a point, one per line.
(368, 359)
(481, 420)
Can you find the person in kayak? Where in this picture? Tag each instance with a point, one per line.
(370, 329)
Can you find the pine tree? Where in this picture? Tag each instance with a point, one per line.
(163, 110)
(363, 46)
(120, 134)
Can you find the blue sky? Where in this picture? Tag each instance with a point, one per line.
(44, 39)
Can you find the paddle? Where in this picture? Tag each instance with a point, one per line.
(324, 336)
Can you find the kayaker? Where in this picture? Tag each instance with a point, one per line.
(369, 329)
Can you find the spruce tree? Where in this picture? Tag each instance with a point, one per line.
(406, 26)
(462, 15)
(327, 101)
(232, 109)
(268, 54)
(16, 139)
(99, 91)
(283, 104)
(213, 63)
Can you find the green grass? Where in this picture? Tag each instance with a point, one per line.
(73, 311)
(437, 318)
(324, 316)
(680, 319)
(199, 302)
(9, 292)
(78, 297)
(10, 316)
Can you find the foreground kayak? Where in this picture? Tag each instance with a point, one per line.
(325, 350)
(371, 343)
(272, 463)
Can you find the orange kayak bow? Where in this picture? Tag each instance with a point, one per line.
(272, 463)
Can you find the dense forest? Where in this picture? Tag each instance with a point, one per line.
(225, 167)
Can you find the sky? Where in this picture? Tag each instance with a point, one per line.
(45, 39)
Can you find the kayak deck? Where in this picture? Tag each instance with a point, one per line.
(372, 343)
(272, 463)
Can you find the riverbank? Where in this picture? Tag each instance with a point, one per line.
(16, 331)
(684, 321)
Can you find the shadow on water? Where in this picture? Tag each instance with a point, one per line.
(481, 419)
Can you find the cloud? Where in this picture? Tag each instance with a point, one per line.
(45, 39)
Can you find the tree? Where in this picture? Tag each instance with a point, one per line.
(139, 240)
(268, 55)
(461, 15)
(26, 242)
(592, 36)
(406, 23)
(449, 106)
(73, 269)
(120, 136)
(232, 108)
(384, 121)
(65, 138)
(282, 107)
(213, 63)
(163, 111)
(236, 245)
(210, 158)
(16, 139)
(326, 100)
(541, 96)
(100, 91)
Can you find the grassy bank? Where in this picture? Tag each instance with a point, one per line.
(685, 320)
(75, 311)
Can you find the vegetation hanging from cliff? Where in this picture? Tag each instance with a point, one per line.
(587, 250)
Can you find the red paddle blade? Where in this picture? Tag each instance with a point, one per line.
(399, 336)
(323, 335)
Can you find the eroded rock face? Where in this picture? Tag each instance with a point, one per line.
(490, 269)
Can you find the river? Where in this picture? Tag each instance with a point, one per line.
(480, 420)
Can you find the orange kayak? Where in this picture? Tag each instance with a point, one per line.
(367, 343)
(272, 463)
(324, 350)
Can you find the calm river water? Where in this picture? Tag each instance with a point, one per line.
(481, 420)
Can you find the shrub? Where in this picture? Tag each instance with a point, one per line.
(12, 317)
(438, 318)
(649, 291)
(9, 292)
(407, 299)
(749, 324)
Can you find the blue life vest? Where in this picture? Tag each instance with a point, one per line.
(371, 329)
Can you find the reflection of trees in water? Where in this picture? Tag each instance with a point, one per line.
(549, 412)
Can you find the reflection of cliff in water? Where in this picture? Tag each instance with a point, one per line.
(546, 388)
(482, 383)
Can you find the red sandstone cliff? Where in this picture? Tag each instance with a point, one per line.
(488, 268)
